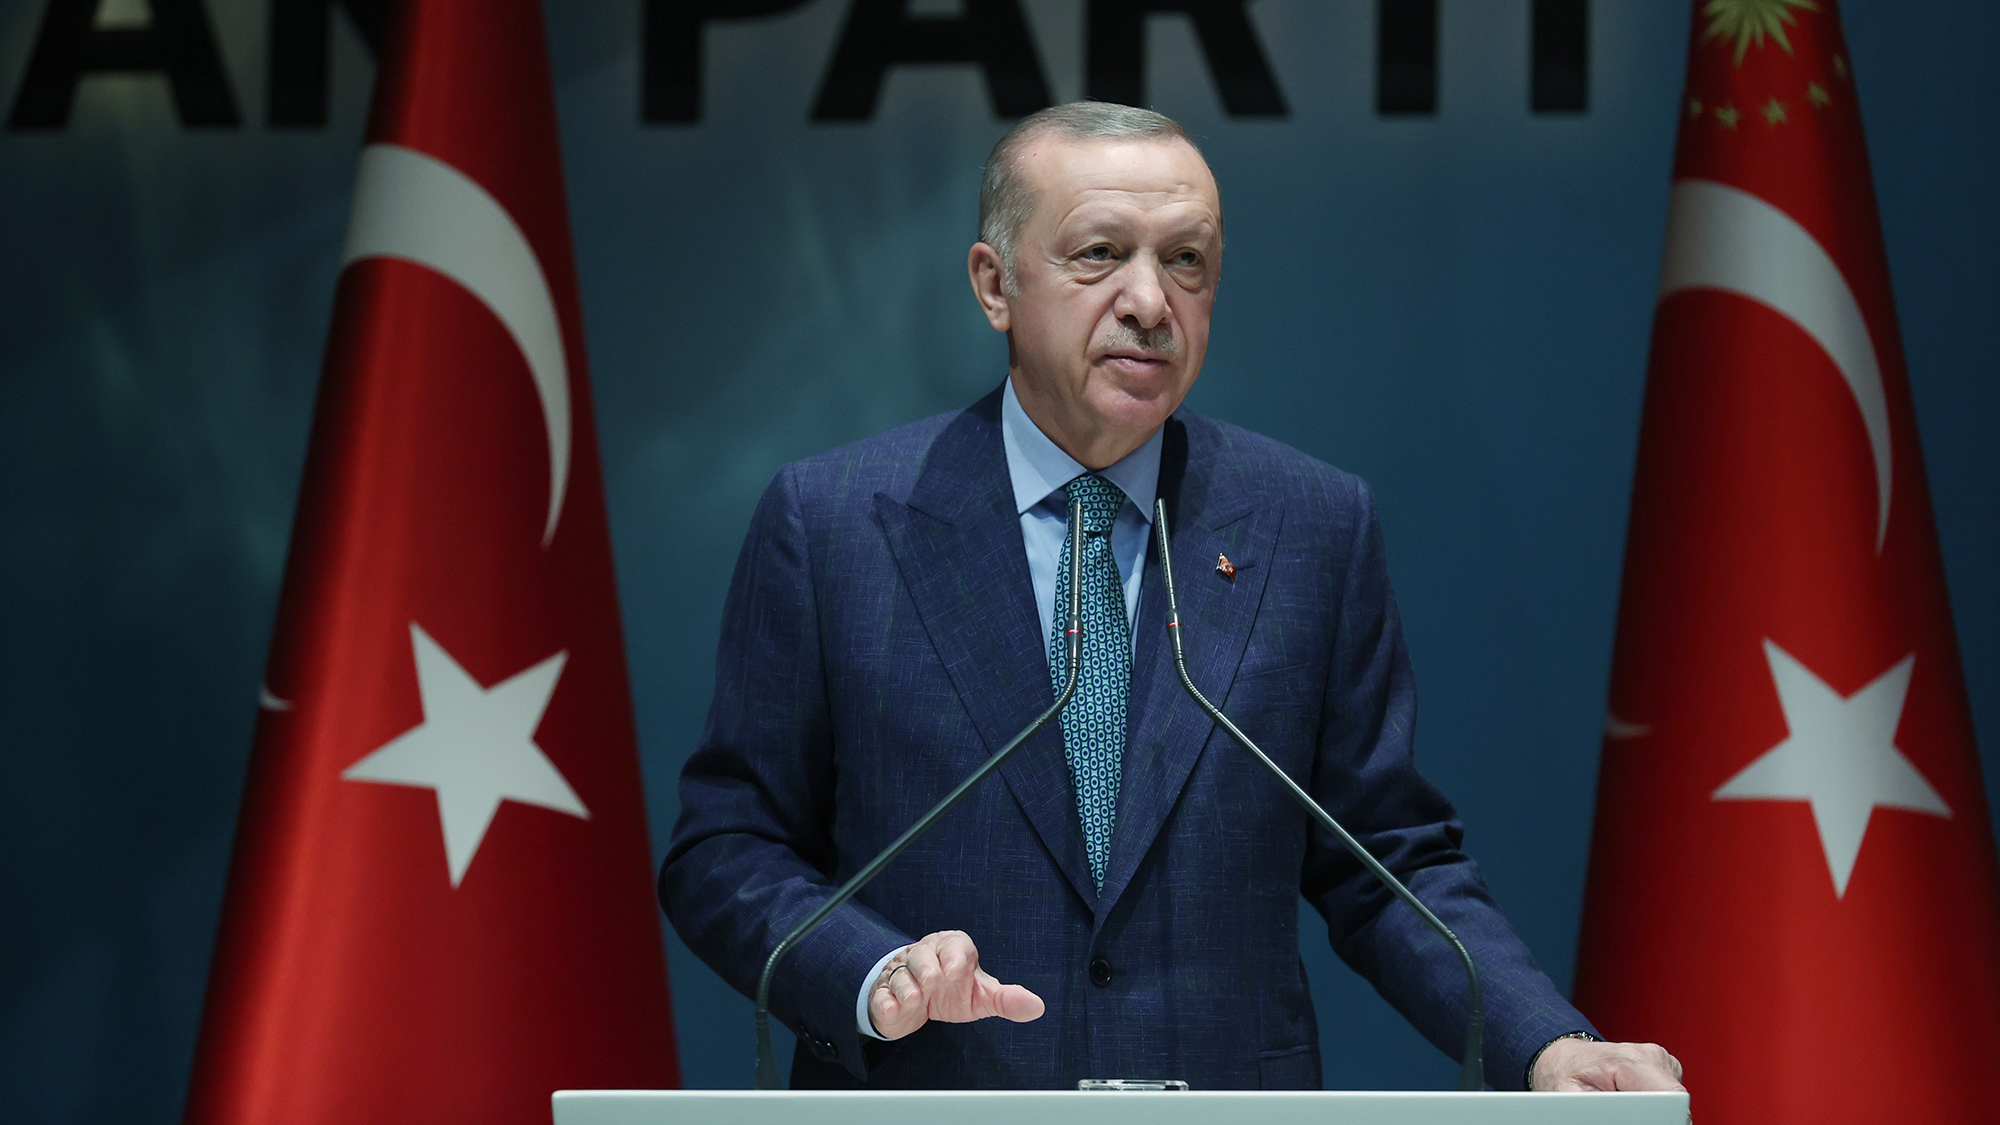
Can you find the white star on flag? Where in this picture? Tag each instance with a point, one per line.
(1840, 755)
(475, 747)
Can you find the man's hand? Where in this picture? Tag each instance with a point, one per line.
(1582, 1064)
(939, 978)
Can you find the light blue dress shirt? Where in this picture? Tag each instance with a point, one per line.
(1039, 470)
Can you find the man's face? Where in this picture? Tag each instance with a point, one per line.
(1116, 273)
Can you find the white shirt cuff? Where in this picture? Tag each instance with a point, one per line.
(861, 1021)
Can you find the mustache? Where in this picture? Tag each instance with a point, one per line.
(1158, 340)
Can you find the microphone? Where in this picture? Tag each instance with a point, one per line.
(1471, 1075)
(767, 1062)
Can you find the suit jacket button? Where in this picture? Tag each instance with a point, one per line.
(822, 1049)
(1100, 971)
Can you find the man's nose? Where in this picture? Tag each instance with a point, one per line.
(1142, 297)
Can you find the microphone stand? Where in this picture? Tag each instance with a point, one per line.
(767, 1062)
(1472, 1074)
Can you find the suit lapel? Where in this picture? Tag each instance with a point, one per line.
(1208, 514)
(957, 544)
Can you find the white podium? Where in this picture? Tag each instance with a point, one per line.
(1062, 1107)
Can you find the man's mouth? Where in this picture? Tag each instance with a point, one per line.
(1145, 364)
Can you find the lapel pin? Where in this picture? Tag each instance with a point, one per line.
(1225, 568)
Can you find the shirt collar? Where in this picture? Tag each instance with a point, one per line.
(1038, 466)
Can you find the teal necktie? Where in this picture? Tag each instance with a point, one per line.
(1094, 722)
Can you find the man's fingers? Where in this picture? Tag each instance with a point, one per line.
(951, 995)
(944, 982)
(1637, 1077)
(1018, 1004)
(894, 1016)
(884, 1012)
(1652, 1069)
(896, 1004)
(1009, 1001)
(943, 964)
(1648, 1066)
(956, 953)
(1576, 1064)
(923, 961)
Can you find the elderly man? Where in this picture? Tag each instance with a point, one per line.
(1136, 876)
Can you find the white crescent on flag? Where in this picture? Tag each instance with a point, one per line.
(418, 209)
(1720, 237)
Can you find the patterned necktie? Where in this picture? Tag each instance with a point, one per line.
(1094, 722)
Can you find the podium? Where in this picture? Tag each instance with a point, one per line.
(1064, 1107)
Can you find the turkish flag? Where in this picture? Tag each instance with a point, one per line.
(1792, 881)
(441, 905)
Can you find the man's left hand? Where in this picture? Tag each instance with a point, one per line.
(1583, 1064)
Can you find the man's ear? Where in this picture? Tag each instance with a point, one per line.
(983, 267)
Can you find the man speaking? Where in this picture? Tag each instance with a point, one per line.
(1132, 875)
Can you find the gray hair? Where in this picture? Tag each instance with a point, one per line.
(1007, 199)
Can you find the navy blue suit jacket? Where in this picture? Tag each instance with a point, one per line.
(881, 640)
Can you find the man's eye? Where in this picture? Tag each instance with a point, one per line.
(1187, 258)
(1099, 253)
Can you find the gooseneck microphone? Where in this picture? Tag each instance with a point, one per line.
(767, 1062)
(1472, 1075)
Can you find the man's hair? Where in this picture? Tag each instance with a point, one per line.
(1007, 199)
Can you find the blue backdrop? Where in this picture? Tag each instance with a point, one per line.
(1453, 304)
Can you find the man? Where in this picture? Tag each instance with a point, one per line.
(1134, 874)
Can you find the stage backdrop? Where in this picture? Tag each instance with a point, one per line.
(1444, 239)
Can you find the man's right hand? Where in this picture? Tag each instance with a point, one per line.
(939, 978)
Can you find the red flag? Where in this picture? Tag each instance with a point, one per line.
(1792, 882)
(441, 906)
